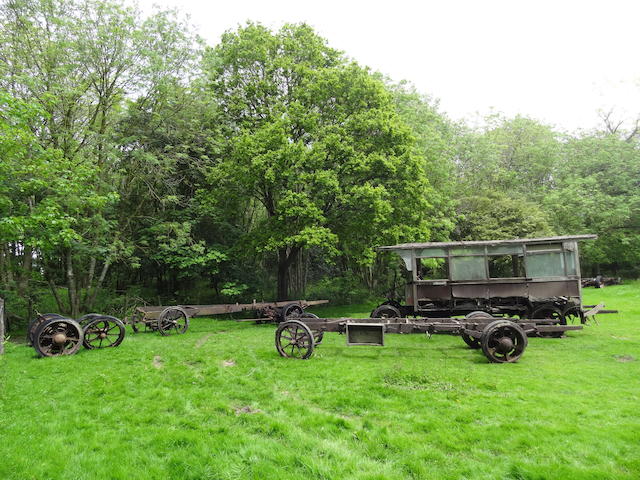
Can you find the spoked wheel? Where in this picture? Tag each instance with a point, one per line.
(173, 320)
(103, 332)
(550, 312)
(573, 314)
(294, 340)
(36, 322)
(503, 341)
(386, 311)
(473, 342)
(291, 310)
(58, 336)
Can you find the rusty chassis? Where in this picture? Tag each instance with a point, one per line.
(502, 340)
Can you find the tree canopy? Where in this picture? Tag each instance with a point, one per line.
(136, 162)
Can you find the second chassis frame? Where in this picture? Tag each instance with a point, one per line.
(502, 340)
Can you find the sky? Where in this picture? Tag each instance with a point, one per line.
(561, 62)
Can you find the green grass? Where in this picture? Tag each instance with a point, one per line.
(417, 408)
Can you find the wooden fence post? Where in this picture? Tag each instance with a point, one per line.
(1, 326)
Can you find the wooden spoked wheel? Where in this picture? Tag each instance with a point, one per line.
(57, 337)
(503, 341)
(473, 342)
(173, 320)
(294, 340)
(103, 332)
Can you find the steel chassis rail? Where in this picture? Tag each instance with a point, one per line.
(502, 340)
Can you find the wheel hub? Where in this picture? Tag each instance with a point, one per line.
(103, 335)
(59, 338)
(505, 344)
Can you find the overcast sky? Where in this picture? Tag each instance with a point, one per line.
(558, 61)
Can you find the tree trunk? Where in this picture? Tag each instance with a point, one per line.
(285, 257)
(1, 326)
(71, 286)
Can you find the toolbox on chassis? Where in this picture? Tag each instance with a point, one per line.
(527, 278)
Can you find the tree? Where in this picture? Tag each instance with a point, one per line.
(78, 60)
(598, 191)
(314, 141)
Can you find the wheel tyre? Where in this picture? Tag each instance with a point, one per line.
(45, 344)
(386, 311)
(109, 324)
(549, 312)
(294, 340)
(503, 341)
(173, 320)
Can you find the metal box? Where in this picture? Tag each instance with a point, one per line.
(365, 334)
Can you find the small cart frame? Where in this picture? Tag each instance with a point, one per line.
(175, 319)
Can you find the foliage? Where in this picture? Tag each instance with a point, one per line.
(315, 141)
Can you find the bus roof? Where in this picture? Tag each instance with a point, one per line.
(522, 241)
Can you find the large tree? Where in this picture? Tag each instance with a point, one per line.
(316, 143)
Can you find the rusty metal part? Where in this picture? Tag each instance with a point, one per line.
(473, 342)
(503, 341)
(152, 312)
(103, 331)
(292, 309)
(386, 311)
(36, 322)
(173, 320)
(85, 319)
(294, 339)
(550, 312)
(475, 327)
(58, 336)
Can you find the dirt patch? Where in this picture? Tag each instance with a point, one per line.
(203, 340)
(158, 362)
(624, 358)
(229, 363)
(246, 410)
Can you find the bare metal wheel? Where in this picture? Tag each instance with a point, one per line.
(36, 322)
(503, 341)
(386, 311)
(291, 310)
(473, 342)
(549, 312)
(294, 340)
(173, 320)
(58, 336)
(103, 331)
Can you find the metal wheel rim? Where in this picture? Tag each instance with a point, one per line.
(294, 340)
(45, 337)
(103, 332)
(173, 321)
(491, 342)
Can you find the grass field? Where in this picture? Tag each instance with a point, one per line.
(219, 403)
